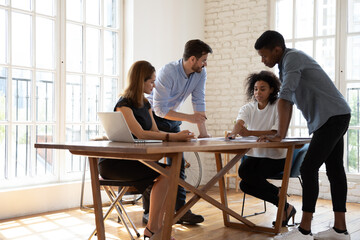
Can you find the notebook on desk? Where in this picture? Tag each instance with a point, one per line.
(117, 130)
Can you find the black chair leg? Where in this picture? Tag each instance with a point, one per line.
(254, 214)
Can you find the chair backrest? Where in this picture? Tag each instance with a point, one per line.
(298, 158)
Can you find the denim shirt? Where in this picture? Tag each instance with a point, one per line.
(305, 84)
(172, 87)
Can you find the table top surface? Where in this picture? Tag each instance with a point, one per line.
(173, 147)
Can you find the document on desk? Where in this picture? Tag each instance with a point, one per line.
(222, 139)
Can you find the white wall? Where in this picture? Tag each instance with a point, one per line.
(156, 31)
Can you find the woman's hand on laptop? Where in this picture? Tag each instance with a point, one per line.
(182, 136)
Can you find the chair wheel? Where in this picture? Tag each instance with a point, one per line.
(138, 234)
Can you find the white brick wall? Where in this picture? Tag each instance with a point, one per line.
(231, 29)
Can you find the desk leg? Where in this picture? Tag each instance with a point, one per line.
(222, 190)
(171, 196)
(284, 187)
(95, 185)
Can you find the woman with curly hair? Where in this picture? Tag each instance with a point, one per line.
(257, 118)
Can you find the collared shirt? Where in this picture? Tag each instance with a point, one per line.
(172, 87)
(306, 84)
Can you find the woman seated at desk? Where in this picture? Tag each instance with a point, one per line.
(257, 118)
(138, 114)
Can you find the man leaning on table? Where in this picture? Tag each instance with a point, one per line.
(305, 84)
(175, 82)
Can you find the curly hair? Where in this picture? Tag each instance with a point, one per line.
(265, 76)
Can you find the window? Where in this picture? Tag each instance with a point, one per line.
(59, 66)
(329, 31)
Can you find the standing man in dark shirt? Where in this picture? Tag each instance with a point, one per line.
(305, 84)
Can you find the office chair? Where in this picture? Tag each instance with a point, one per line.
(298, 157)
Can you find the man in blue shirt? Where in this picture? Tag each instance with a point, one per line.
(305, 84)
(174, 83)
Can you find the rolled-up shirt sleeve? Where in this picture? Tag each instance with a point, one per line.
(290, 77)
(198, 95)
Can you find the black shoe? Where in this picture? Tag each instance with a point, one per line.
(145, 218)
(285, 223)
(190, 218)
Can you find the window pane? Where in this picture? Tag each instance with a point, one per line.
(45, 43)
(353, 58)
(110, 53)
(74, 48)
(3, 93)
(3, 152)
(92, 98)
(304, 21)
(3, 36)
(305, 46)
(353, 16)
(21, 148)
(21, 88)
(44, 163)
(22, 4)
(92, 50)
(326, 17)
(45, 7)
(73, 162)
(110, 94)
(353, 98)
(92, 131)
(110, 13)
(283, 21)
(325, 55)
(298, 118)
(74, 10)
(4, 2)
(45, 96)
(73, 98)
(93, 12)
(21, 39)
(353, 151)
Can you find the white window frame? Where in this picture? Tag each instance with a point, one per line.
(59, 122)
(340, 61)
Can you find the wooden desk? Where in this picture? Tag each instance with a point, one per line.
(150, 153)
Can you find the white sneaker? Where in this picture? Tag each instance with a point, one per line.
(331, 234)
(294, 235)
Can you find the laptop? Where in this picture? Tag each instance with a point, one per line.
(117, 129)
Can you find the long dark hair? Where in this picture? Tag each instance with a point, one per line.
(265, 76)
(139, 72)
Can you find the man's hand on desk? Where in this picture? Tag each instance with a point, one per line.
(269, 138)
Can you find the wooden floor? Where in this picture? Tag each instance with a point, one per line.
(76, 224)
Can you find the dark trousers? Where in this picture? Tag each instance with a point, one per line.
(326, 146)
(254, 171)
(174, 127)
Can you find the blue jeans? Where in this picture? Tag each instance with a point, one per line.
(173, 127)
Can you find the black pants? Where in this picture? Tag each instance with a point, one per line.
(254, 172)
(326, 146)
(174, 127)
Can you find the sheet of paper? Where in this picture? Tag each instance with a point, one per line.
(238, 139)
